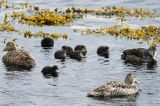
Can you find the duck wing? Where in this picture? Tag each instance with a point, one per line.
(115, 88)
(106, 84)
(139, 52)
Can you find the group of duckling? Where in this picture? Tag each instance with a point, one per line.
(22, 58)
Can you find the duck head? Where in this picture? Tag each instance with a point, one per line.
(153, 52)
(10, 46)
(55, 67)
(131, 80)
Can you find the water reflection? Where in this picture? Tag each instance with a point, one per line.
(10, 67)
(126, 101)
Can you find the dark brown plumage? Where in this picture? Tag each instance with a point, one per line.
(50, 71)
(139, 55)
(17, 57)
(81, 48)
(103, 51)
(68, 50)
(60, 54)
(76, 55)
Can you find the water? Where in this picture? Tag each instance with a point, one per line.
(76, 79)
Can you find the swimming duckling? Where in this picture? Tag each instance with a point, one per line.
(140, 55)
(47, 42)
(103, 51)
(68, 49)
(76, 55)
(60, 54)
(117, 88)
(81, 48)
(17, 57)
(50, 71)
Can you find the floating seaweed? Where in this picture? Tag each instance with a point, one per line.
(45, 17)
(6, 26)
(149, 33)
(29, 34)
(117, 11)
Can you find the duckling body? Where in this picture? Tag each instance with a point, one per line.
(81, 48)
(76, 55)
(116, 88)
(103, 51)
(68, 49)
(50, 71)
(18, 57)
(47, 42)
(139, 55)
(60, 54)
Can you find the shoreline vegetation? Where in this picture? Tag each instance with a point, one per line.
(33, 15)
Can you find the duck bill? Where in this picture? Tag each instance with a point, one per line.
(138, 82)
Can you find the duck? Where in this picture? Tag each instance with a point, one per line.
(81, 48)
(47, 42)
(103, 51)
(140, 55)
(50, 71)
(117, 88)
(76, 55)
(60, 54)
(68, 50)
(17, 57)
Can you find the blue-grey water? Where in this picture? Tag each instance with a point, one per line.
(76, 79)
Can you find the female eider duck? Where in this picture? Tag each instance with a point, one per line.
(117, 88)
(17, 57)
(140, 55)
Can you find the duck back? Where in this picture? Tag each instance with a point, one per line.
(19, 57)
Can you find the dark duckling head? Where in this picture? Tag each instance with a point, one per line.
(10, 46)
(50, 71)
(81, 48)
(47, 42)
(152, 52)
(68, 49)
(103, 51)
(76, 55)
(60, 54)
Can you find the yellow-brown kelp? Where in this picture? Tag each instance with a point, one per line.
(150, 33)
(29, 34)
(46, 17)
(4, 4)
(6, 26)
(118, 11)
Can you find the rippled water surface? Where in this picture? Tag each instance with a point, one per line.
(30, 88)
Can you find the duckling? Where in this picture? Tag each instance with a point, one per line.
(47, 42)
(103, 51)
(117, 88)
(140, 55)
(81, 48)
(60, 54)
(17, 57)
(76, 55)
(68, 49)
(50, 71)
